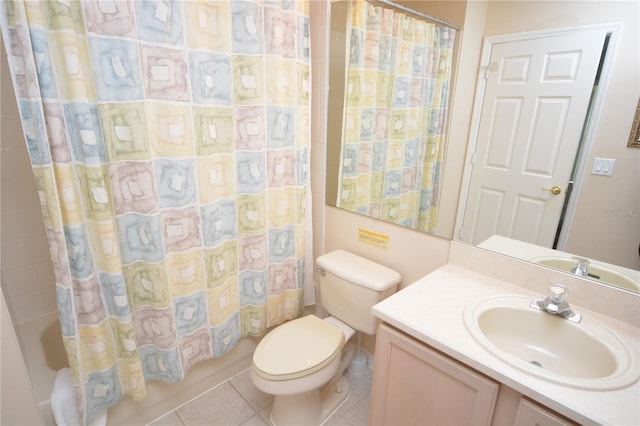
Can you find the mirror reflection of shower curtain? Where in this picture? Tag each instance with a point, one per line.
(171, 162)
(396, 104)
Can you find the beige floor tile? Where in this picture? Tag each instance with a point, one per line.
(254, 396)
(337, 420)
(239, 402)
(256, 420)
(358, 414)
(170, 419)
(265, 414)
(360, 386)
(220, 406)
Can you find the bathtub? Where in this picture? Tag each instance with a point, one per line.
(42, 364)
(43, 352)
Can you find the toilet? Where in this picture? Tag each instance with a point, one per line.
(301, 362)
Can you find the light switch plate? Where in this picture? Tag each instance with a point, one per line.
(603, 166)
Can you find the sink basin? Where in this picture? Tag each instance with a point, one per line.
(602, 272)
(582, 355)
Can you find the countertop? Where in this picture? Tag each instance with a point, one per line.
(431, 310)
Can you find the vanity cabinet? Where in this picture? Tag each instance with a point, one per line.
(531, 414)
(414, 384)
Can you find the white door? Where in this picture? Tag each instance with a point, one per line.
(535, 103)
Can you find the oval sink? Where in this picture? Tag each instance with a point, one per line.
(583, 355)
(596, 270)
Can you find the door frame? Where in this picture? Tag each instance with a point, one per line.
(613, 29)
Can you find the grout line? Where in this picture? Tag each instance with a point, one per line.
(243, 397)
(240, 373)
(182, 421)
(237, 391)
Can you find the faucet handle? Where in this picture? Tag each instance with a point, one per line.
(580, 266)
(580, 261)
(556, 304)
(557, 293)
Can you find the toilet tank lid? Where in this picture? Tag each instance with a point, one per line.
(358, 270)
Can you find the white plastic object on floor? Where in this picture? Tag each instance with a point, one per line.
(358, 364)
(63, 402)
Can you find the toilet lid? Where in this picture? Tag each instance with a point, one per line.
(297, 348)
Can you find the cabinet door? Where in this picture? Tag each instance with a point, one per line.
(416, 385)
(532, 414)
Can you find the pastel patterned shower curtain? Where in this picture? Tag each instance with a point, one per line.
(396, 112)
(170, 145)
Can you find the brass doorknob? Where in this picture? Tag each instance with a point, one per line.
(555, 190)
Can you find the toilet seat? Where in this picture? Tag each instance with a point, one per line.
(297, 348)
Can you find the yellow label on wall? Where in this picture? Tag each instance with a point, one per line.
(373, 238)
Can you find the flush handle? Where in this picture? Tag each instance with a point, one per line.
(555, 190)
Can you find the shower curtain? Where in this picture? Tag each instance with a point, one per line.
(396, 106)
(170, 145)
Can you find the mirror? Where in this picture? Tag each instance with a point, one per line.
(501, 17)
(389, 106)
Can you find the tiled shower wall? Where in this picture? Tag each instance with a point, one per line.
(319, 22)
(27, 274)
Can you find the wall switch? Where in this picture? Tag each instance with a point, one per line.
(603, 166)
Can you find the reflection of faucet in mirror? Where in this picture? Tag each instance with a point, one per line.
(621, 277)
(580, 266)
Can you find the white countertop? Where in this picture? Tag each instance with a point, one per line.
(431, 310)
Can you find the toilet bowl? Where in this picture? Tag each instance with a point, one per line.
(305, 375)
(302, 362)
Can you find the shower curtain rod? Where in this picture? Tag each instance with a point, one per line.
(416, 13)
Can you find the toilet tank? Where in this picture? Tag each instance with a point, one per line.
(350, 285)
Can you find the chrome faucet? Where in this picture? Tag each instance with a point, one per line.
(556, 303)
(580, 266)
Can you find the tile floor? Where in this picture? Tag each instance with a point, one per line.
(238, 402)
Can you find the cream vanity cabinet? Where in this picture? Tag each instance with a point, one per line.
(414, 384)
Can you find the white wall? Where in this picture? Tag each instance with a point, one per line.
(319, 27)
(21, 226)
(27, 273)
(17, 406)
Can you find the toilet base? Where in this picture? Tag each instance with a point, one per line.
(310, 408)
